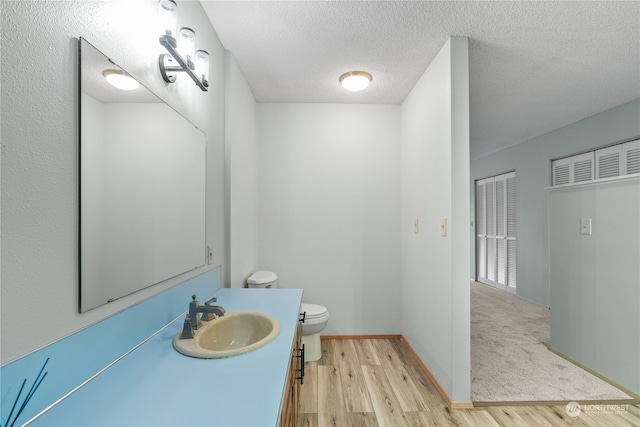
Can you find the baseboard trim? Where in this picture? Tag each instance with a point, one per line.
(361, 337)
(436, 384)
(462, 405)
(553, 402)
(634, 395)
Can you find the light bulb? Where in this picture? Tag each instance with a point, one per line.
(187, 45)
(202, 66)
(120, 80)
(167, 17)
(355, 80)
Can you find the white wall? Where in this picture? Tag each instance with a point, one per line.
(595, 279)
(328, 205)
(434, 185)
(40, 150)
(241, 142)
(532, 162)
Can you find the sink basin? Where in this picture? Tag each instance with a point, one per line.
(236, 332)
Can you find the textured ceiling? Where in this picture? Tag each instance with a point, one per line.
(534, 66)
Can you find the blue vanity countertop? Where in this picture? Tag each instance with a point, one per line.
(155, 385)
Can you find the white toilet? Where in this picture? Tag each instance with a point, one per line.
(315, 320)
(262, 279)
(315, 316)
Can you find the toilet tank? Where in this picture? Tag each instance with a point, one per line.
(262, 279)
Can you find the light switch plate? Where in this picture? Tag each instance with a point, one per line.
(443, 227)
(416, 228)
(585, 226)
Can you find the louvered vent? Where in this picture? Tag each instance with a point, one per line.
(491, 259)
(511, 207)
(609, 165)
(500, 207)
(561, 174)
(501, 260)
(480, 220)
(616, 160)
(490, 211)
(511, 263)
(482, 257)
(633, 161)
(583, 171)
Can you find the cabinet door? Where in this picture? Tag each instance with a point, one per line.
(573, 169)
(289, 407)
(501, 231)
(510, 232)
(608, 162)
(485, 231)
(582, 167)
(631, 157)
(490, 227)
(286, 409)
(562, 171)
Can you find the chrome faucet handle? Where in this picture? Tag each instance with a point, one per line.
(193, 313)
(214, 299)
(187, 330)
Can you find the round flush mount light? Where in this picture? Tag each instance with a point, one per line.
(120, 79)
(355, 80)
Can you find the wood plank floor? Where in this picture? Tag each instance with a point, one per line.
(377, 382)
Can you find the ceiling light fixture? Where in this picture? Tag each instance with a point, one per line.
(355, 80)
(120, 80)
(183, 58)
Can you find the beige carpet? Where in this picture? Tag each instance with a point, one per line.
(510, 359)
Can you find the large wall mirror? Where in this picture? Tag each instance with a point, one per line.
(142, 187)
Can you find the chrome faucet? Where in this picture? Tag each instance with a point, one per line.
(209, 312)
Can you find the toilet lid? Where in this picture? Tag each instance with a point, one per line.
(262, 276)
(313, 310)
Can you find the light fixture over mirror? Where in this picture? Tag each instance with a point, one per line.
(355, 80)
(181, 56)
